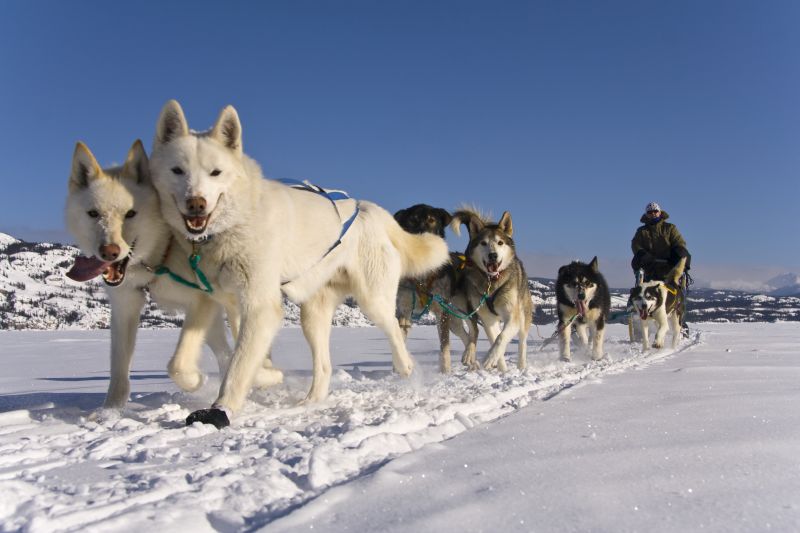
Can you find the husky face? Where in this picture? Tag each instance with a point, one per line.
(106, 209)
(491, 247)
(648, 297)
(193, 171)
(579, 283)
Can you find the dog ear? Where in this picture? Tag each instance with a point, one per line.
(593, 264)
(84, 168)
(505, 224)
(136, 166)
(444, 216)
(562, 270)
(171, 123)
(400, 216)
(228, 129)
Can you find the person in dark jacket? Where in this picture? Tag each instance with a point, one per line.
(658, 246)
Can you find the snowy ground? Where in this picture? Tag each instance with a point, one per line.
(707, 437)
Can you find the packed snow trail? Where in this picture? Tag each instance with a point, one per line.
(63, 471)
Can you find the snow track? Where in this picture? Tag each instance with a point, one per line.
(63, 471)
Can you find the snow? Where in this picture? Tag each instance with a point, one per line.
(704, 437)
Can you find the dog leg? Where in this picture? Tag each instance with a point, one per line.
(262, 316)
(583, 334)
(522, 353)
(457, 327)
(597, 343)
(660, 317)
(217, 340)
(183, 367)
(470, 359)
(404, 310)
(675, 322)
(497, 353)
(126, 308)
(564, 340)
(379, 307)
(443, 324)
(645, 334)
(315, 317)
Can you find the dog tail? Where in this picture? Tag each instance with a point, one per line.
(469, 216)
(675, 274)
(420, 253)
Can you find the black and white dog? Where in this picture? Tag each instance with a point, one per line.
(583, 300)
(414, 293)
(661, 302)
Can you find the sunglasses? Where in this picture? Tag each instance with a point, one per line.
(653, 212)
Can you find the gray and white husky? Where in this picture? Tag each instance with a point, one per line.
(259, 238)
(660, 302)
(494, 284)
(583, 301)
(114, 215)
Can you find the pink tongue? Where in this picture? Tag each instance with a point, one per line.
(643, 314)
(86, 268)
(581, 307)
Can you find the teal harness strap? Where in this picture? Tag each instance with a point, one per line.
(194, 262)
(445, 305)
(618, 314)
(417, 316)
(455, 312)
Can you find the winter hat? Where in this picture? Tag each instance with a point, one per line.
(652, 206)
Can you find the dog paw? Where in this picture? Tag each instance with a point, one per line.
(216, 417)
(658, 345)
(189, 381)
(105, 415)
(566, 358)
(596, 356)
(404, 370)
(267, 377)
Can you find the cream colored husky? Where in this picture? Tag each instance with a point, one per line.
(114, 215)
(258, 238)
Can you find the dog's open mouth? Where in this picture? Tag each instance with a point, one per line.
(87, 268)
(643, 314)
(580, 305)
(196, 225)
(114, 273)
(493, 269)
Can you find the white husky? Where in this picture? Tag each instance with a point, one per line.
(257, 237)
(114, 215)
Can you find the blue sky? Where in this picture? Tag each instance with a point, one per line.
(571, 115)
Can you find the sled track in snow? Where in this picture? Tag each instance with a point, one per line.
(62, 472)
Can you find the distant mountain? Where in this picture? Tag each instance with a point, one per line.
(35, 294)
(784, 285)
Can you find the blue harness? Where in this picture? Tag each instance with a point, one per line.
(333, 196)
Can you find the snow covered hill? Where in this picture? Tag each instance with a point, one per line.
(35, 294)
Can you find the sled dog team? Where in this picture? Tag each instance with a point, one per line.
(199, 228)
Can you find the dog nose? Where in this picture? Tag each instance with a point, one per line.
(493, 257)
(196, 205)
(109, 252)
(581, 295)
